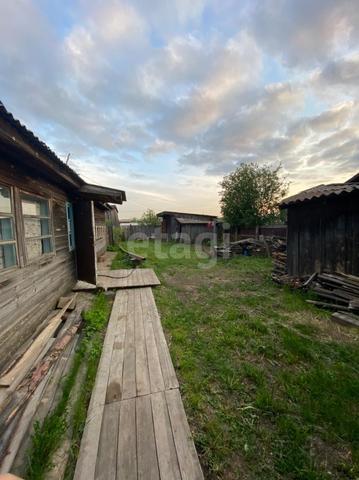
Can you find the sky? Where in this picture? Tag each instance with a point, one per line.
(162, 98)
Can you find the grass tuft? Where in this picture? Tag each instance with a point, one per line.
(49, 434)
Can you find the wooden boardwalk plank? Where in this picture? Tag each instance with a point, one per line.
(86, 463)
(136, 426)
(127, 442)
(166, 450)
(146, 446)
(154, 365)
(138, 277)
(129, 365)
(186, 451)
(168, 371)
(143, 386)
(114, 389)
(106, 468)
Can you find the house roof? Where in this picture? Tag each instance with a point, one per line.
(354, 179)
(37, 155)
(178, 214)
(320, 191)
(191, 221)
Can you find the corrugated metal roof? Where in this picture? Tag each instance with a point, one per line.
(354, 179)
(161, 214)
(320, 191)
(191, 221)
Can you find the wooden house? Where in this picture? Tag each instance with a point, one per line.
(323, 229)
(52, 228)
(185, 227)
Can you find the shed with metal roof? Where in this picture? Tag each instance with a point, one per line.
(186, 227)
(323, 229)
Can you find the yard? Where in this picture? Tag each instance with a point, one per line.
(270, 384)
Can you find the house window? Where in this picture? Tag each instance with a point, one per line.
(70, 226)
(7, 233)
(37, 226)
(100, 232)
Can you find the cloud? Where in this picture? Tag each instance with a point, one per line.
(160, 147)
(139, 92)
(305, 32)
(341, 72)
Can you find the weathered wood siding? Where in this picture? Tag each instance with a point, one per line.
(323, 235)
(101, 235)
(27, 294)
(172, 229)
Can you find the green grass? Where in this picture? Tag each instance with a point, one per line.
(49, 434)
(270, 385)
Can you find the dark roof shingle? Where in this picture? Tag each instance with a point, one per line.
(320, 191)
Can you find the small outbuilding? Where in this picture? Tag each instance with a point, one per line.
(186, 227)
(323, 229)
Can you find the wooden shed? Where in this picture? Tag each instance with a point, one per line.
(323, 229)
(52, 224)
(186, 227)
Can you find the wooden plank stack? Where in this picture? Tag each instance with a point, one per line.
(247, 247)
(262, 246)
(279, 266)
(30, 388)
(339, 292)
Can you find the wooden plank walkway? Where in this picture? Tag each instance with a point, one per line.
(136, 425)
(122, 278)
(136, 277)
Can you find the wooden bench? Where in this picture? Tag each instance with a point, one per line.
(133, 257)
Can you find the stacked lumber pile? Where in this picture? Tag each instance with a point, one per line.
(247, 247)
(279, 272)
(339, 292)
(31, 386)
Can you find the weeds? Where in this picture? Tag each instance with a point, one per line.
(48, 436)
(270, 386)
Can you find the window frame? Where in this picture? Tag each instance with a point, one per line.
(46, 255)
(70, 226)
(12, 216)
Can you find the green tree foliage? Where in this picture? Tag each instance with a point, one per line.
(250, 195)
(149, 218)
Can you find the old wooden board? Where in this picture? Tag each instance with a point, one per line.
(137, 277)
(25, 363)
(136, 425)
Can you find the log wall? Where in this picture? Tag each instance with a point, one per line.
(29, 292)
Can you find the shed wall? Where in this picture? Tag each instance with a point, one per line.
(324, 235)
(101, 235)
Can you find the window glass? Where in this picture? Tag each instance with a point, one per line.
(7, 233)
(33, 248)
(34, 206)
(32, 227)
(6, 230)
(70, 226)
(7, 255)
(5, 200)
(37, 225)
(46, 245)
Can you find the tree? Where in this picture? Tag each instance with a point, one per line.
(149, 218)
(250, 195)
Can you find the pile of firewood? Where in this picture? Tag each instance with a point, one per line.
(279, 266)
(30, 387)
(247, 247)
(339, 292)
